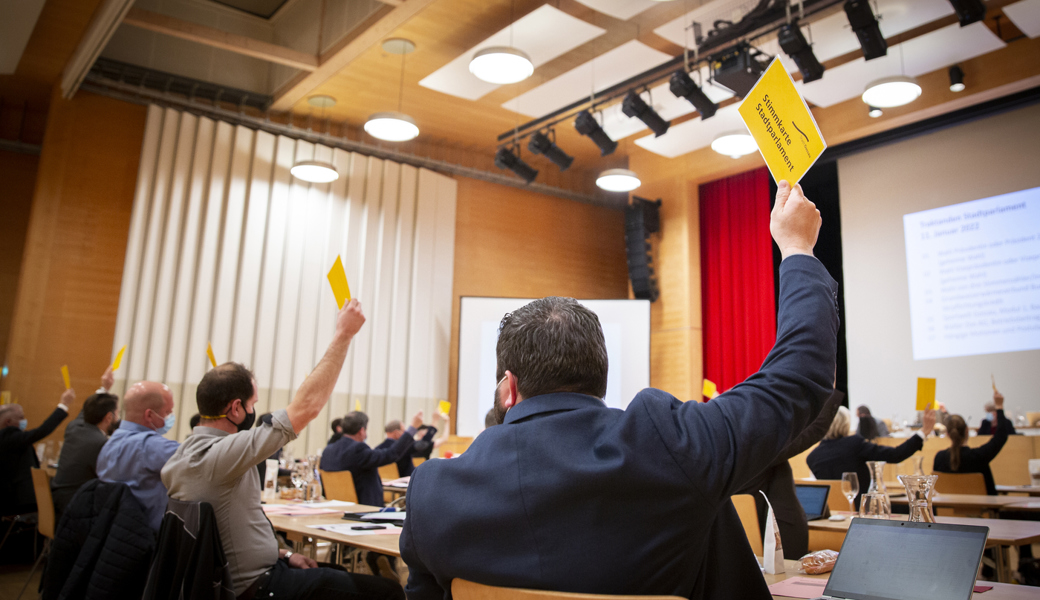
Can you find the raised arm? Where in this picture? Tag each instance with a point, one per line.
(871, 451)
(990, 449)
(19, 439)
(816, 430)
(315, 391)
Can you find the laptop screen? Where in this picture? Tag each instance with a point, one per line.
(897, 560)
(813, 498)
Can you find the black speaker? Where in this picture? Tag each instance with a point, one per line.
(642, 218)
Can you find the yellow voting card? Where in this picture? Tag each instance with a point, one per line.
(209, 353)
(445, 407)
(993, 380)
(710, 389)
(782, 125)
(65, 376)
(5, 398)
(338, 281)
(357, 406)
(119, 359)
(925, 393)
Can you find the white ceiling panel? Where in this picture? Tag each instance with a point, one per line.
(619, 9)
(543, 34)
(1026, 16)
(17, 21)
(694, 135)
(615, 66)
(705, 14)
(936, 50)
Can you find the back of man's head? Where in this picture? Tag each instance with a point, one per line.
(553, 345)
(393, 426)
(97, 406)
(222, 386)
(143, 396)
(10, 415)
(354, 422)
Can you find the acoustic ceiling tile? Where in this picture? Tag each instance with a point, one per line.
(543, 34)
(694, 135)
(619, 9)
(1026, 16)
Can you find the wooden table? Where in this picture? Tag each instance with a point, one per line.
(979, 502)
(1032, 490)
(1030, 506)
(301, 526)
(401, 491)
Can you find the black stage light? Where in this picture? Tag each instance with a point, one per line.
(969, 11)
(633, 106)
(587, 125)
(682, 85)
(956, 79)
(505, 159)
(793, 43)
(864, 23)
(541, 144)
(738, 69)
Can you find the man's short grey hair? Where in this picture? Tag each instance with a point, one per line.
(393, 426)
(354, 422)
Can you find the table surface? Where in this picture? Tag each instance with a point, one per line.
(1032, 490)
(384, 544)
(1002, 532)
(967, 501)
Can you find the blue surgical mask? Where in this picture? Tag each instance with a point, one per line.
(168, 423)
(23, 424)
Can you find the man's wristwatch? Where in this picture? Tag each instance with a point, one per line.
(288, 553)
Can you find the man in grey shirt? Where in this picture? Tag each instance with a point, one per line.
(217, 464)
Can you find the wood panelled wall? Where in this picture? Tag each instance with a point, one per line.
(65, 306)
(18, 174)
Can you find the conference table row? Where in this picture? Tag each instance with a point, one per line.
(331, 527)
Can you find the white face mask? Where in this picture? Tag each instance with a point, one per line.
(23, 424)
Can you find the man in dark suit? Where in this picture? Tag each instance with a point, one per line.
(84, 437)
(17, 455)
(421, 446)
(570, 495)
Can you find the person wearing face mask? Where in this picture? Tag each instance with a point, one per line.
(17, 454)
(137, 451)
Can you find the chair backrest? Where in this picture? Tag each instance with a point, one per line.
(960, 483)
(418, 460)
(177, 569)
(748, 514)
(467, 590)
(1033, 419)
(338, 485)
(44, 502)
(389, 471)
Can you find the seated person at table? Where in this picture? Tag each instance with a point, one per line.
(423, 443)
(84, 438)
(962, 459)
(988, 425)
(870, 428)
(217, 464)
(337, 431)
(351, 453)
(840, 452)
(569, 495)
(137, 451)
(17, 455)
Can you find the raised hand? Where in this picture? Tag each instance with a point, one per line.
(795, 221)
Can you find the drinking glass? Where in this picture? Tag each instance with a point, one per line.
(850, 487)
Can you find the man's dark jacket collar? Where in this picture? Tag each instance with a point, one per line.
(550, 403)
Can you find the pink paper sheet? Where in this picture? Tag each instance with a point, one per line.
(289, 510)
(799, 587)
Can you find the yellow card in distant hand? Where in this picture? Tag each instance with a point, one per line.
(338, 281)
(710, 389)
(994, 382)
(5, 398)
(65, 376)
(357, 406)
(784, 129)
(209, 353)
(925, 393)
(444, 406)
(119, 358)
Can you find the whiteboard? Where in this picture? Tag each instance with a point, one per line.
(626, 331)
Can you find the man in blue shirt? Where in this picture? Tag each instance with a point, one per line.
(137, 451)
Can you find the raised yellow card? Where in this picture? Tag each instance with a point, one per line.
(65, 376)
(710, 389)
(445, 407)
(209, 353)
(338, 281)
(357, 406)
(782, 125)
(119, 359)
(993, 380)
(5, 398)
(925, 393)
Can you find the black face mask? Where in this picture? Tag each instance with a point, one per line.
(246, 423)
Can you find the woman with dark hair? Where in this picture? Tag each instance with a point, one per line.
(868, 429)
(962, 459)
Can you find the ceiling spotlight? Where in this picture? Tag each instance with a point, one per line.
(314, 171)
(682, 85)
(793, 43)
(969, 11)
(734, 144)
(739, 68)
(618, 180)
(892, 91)
(633, 106)
(506, 159)
(541, 144)
(864, 23)
(874, 112)
(501, 64)
(391, 127)
(956, 79)
(587, 125)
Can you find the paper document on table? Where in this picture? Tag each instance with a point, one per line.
(799, 587)
(345, 529)
(400, 482)
(291, 510)
(330, 504)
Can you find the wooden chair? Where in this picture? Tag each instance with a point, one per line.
(388, 472)
(338, 485)
(467, 590)
(748, 514)
(418, 460)
(45, 517)
(960, 483)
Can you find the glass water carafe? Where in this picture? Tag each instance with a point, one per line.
(919, 494)
(876, 503)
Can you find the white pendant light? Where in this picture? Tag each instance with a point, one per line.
(315, 171)
(618, 180)
(391, 127)
(892, 91)
(501, 64)
(734, 144)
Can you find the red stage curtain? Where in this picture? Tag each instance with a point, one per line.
(737, 290)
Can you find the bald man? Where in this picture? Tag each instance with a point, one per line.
(137, 451)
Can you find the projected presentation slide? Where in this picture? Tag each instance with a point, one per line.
(974, 275)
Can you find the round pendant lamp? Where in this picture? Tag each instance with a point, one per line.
(892, 91)
(501, 65)
(618, 180)
(314, 171)
(394, 126)
(734, 144)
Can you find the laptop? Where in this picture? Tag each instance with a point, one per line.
(898, 560)
(813, 497)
